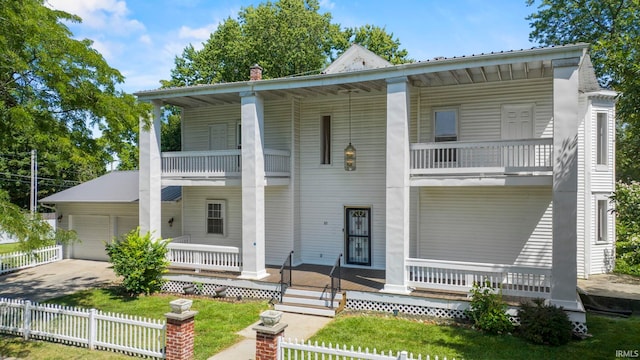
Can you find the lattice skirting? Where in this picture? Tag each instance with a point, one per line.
(417, 310)
(208, 289)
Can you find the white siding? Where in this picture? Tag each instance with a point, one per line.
(326, 189)
(602, 179)
(602, 253)
(480, 107)
(194, 209)
(501, 225)
(196, 123)
(278, 235)
(583, 188)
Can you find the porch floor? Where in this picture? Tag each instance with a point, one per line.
(317, 277)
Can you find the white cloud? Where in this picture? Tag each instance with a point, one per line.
(145, 39)
(109, 15)
(198, 34)
(327, 4)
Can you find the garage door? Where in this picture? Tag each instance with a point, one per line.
(93, 231)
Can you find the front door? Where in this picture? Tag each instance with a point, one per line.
(358, 236)
(517, 124)
(218, 137)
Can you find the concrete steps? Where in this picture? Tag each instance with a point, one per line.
(310, 302)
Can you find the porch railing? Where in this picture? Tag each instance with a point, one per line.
(276, 162)
(204, 163)
(204, 257)
(285, 275)
(336, 279)
(460, 276)
(220, 163)
(183, 239)
(482, 156)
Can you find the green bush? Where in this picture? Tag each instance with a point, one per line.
(487, 310)
(627, 208)
(140, 260)
(544, 324)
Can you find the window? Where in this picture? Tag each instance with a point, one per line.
(601, 221)
(325, 140)
(601, 139)
(445, 129)
(239, 135)
(215, 217)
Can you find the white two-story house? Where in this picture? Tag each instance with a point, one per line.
(441, 173)
(437, 172)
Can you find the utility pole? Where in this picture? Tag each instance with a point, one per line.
(34, 182)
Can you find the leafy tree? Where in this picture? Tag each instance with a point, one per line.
(612, 27)
(53, 91)
(379, 41)
(140, 260)
(31, 230)
(627, 209)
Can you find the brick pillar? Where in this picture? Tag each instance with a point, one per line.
(180, 335)
(267, 340)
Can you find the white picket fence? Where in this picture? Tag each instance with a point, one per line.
(83, 327)
(294, 350)
(22, 260)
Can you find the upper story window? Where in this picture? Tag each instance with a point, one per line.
(445, 129)
(445, 125)
(216, 217)
(601, 139)
(325, 140)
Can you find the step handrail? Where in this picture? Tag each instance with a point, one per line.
(285, 269)
(335, 280)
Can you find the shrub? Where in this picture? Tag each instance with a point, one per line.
(544, 324)
(140, 260)
(487, 310)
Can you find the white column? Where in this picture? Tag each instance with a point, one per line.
(565, 183)
(397, 189)
(150, 174)
(253, 239)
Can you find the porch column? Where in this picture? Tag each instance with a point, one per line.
(397, 188)
(150, 174)
(253, 240)
(565, 183)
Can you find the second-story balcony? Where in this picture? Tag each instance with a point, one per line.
(483, 158)
(219, 164)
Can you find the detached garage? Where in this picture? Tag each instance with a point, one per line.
(107, 207)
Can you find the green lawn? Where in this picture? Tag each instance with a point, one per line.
(388, 333)
(217, 322)
(8, 248)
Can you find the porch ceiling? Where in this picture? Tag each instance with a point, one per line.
(460, 76)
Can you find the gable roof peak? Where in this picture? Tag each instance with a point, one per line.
(356, 58)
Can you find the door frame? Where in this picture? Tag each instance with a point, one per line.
(368, 208)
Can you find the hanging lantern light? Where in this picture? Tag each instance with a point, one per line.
(350, 150)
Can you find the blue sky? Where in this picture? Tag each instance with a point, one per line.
(142, 37)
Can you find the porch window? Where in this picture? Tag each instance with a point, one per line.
(215, 217)
(601, 139)
(325, 140)
(601, 221)
(445, 129)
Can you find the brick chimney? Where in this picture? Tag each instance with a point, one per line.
(256, 73)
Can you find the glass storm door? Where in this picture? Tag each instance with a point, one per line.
(358, 236)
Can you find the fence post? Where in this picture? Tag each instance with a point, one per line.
(180, 330)
(92, 329)
(26, 317)
(267, 340)
(403, 355)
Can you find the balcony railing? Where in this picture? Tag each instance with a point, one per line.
(460, 276)
(526, 155)
(220, 163)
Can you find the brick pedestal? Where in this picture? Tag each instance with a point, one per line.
(180, 335)
(267, 341)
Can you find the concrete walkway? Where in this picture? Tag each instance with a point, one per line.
(300, 327)
(612, 285)
(56, 279)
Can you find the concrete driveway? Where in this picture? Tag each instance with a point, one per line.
(52, 280)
